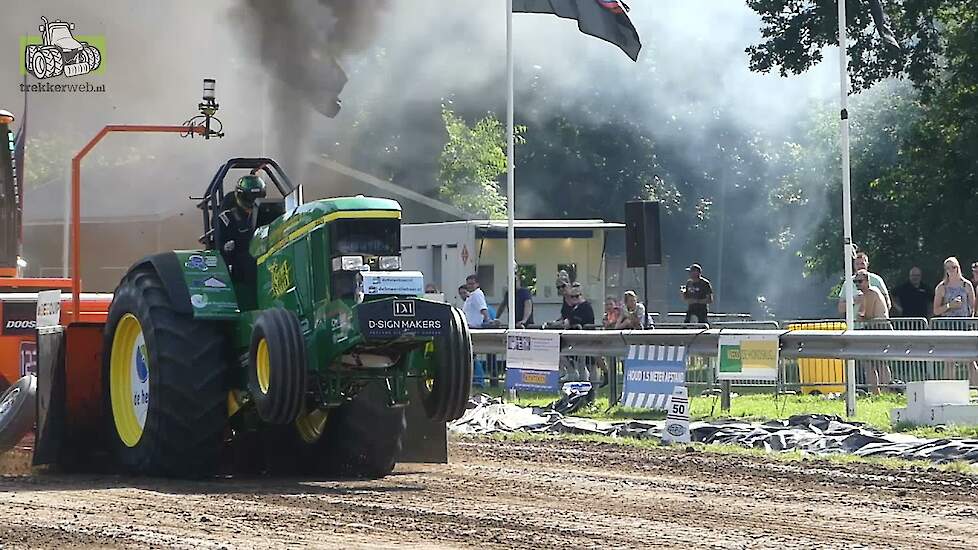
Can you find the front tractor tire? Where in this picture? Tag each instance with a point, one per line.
(277, 366)
(166, 388)
(446, 387)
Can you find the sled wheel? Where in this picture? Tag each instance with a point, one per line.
(17, 411)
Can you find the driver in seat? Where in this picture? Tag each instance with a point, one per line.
(238, 226)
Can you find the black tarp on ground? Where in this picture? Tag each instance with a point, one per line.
(816, 434)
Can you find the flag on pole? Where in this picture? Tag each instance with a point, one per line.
(604, 19)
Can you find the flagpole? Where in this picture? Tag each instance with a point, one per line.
(510, 191)
(847, 284)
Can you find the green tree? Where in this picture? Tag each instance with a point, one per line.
(471, 163)
(914, 153)
(795, 32)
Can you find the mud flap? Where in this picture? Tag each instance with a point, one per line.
(69, 395)
(50, 395)
(425, 440)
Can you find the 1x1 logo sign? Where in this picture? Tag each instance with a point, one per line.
(403, 308)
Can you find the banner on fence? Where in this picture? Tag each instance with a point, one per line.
(532, 360)
(652, 374)
(748, 357)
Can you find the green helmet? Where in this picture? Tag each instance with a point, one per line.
(248, 189)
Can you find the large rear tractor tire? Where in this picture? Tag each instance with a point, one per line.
(166, 390)
(446, 393)
(17, 412)
(277, 366)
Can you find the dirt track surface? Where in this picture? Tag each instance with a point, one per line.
(507, 494)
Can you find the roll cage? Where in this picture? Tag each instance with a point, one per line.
(214, 197)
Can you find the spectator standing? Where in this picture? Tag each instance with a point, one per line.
(913, 298)
(872, 306)
(476, 309)
(633, 317)
(955, 295)
(859, 262)
(698, 294)
(524, 305)
(974, 274)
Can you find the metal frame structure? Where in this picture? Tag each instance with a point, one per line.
(76, 196)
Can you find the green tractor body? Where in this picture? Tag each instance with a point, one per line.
(313, 356)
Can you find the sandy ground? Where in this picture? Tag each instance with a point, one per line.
(554, 494)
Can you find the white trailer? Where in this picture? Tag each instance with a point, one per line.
(448, 252)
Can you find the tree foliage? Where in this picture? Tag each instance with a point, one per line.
(471, 163)
(914, 159)
(794, 33)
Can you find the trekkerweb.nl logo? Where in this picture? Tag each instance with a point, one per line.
(57, 52)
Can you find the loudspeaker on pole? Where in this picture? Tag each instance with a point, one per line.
(643, 238)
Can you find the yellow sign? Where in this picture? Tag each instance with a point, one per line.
(534, 378)
(281, 278)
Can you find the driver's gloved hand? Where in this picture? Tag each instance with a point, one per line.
(229, 246)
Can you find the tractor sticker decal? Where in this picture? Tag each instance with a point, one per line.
(57, 52)
(213, 282)
(197, 262)
(198, 300)
(140, 380)
(281, 278)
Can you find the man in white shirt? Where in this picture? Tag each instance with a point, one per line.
(476, 309)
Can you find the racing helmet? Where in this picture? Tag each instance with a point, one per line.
(248, 189)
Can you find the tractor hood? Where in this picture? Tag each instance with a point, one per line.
(311, 215)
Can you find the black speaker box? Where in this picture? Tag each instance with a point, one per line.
(643, 239)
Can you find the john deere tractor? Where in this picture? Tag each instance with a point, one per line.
(312, 356)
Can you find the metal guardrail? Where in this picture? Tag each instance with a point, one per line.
(891, 345)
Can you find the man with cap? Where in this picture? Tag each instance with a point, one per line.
(698, 294)
(237, 226)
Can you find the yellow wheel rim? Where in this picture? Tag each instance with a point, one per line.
(310, 426)
(263, 366)
(129, 380)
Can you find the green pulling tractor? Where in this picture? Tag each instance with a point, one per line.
(310, 358)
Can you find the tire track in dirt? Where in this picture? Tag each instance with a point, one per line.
(550, 494)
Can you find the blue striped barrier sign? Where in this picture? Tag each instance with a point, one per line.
(652, 374)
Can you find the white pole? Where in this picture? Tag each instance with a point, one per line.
(847, 284)
(510, 191)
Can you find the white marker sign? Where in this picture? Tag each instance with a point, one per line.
(48, 308)
(677, 417)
